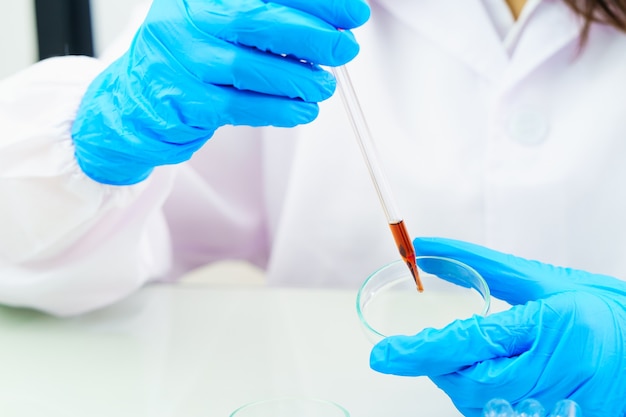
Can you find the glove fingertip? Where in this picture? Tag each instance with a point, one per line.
(382, 359)
(378, 358)
(359, 12)
(403, 355)
(344, 49)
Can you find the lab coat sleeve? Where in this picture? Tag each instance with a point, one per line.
(68, 244)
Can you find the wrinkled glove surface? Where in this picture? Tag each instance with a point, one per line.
(564, 338)
(196, 65)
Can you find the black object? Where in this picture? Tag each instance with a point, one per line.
(63, 28)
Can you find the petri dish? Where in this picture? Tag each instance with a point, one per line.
(388, 302)
(291, 407)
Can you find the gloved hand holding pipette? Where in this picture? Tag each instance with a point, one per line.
(196, 65)
(564, 338)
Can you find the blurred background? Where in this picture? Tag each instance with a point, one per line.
(32, 29)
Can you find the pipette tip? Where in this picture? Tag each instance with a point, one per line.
(416, 276)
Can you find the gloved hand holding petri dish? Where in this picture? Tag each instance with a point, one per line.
(388, 303)
(563, 338)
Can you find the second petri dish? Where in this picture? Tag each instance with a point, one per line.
(388, 302)
(291, 407)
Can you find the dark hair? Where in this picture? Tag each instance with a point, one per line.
(608, 12)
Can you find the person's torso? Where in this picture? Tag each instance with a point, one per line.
(524, 154)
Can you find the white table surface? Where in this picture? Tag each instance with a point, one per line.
(200, 350)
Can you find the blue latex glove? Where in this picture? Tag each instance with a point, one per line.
(564, 338)
(196, 65)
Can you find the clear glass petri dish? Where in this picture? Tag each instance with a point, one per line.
(388, 302)
(291, 407)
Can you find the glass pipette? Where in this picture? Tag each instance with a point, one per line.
(364, 138)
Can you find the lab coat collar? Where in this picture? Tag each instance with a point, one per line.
(465, 29)
(551, 28)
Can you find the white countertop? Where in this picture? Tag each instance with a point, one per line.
(200, 350)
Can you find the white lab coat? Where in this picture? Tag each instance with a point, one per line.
(521, 151)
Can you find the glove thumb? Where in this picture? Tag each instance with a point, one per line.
(461, 344)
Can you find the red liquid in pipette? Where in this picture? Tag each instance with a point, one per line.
(407, 252)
